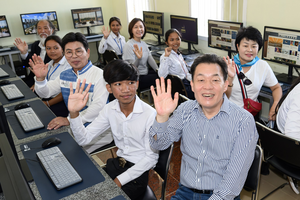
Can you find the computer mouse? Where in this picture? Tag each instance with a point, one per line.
(21, 106)
(4, 82)
(51, 142)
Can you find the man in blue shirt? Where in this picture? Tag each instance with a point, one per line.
(218, 138)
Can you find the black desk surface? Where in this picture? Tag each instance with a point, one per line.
(41, 110)
(28, 94)
(78, 159)
(8, 70)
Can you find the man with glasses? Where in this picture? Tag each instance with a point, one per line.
(77, 54)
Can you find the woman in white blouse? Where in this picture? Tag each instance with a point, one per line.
(136, 52)
(172, 62)
(112, 40)
(58, 64)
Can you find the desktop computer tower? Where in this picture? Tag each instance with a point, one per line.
(20, 69)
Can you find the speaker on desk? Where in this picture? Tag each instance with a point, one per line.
(20, 69)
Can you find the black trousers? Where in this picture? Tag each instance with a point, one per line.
(147, 80)
(136, 188)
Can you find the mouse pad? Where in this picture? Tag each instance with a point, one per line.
(41, 110)
(76, 156)
(8, 70)
(28, 94)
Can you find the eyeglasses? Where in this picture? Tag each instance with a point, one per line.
(78, 52)
(242, 76)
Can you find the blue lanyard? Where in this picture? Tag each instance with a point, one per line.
(121, 49)
(52, 72)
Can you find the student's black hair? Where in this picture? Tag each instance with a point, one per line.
(210, 59)
(131, 25)
(172, 30)
(50, 25)
(74, 37)
(55, 38)
(296, 82)
(120, 70)
(117, 19)
(249, 33)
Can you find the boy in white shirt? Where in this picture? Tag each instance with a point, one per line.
(129, 119)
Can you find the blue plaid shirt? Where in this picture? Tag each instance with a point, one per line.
(216, 153)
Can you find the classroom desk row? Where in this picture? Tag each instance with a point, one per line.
(96, 183)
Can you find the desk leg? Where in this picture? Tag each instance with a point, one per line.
(12, 63)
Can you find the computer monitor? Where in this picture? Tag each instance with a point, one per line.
(222, 35)
(4, 30)
(155, 25)
(188, 27)
(282, 46)
(12, 179)
(87, 17)
(29, 21)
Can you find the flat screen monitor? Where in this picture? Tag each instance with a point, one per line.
(87, 17)
(29, 21)
(188, 27)
(4, 30)
(282, 46)
(155, 25)
(222, 35)
(12, 179)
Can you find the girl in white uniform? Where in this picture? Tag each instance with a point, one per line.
(112, 40)
(172, 62)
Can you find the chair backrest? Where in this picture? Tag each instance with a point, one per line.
(279, 145)
(177, 85)
(162, 167)
(253, 177)
(109, 55)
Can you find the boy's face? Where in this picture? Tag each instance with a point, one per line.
(124, 91)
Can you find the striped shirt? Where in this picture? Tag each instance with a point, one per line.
(97, 94)
(216, 153)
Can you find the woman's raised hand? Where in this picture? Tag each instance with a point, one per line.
(138, 52)
(105, 32)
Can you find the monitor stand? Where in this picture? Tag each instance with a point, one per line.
(90, 35)
(153, 42)
(287, 78)
(188, 51)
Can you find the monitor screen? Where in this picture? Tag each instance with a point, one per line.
(29, 21)
(154, 22)
(87, 17)
(4, 30)
(282, 46)
(222, 34)
(187, 26)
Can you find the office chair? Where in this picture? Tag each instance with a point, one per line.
(177, 86)
(253, 177)
(109, 55)
(162, 168)
(281, 152)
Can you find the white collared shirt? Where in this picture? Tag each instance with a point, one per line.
(112, 42)
(131, 135)
(54, 72)
(175, 65)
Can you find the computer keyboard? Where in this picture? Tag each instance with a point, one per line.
(11, 91)
(3, 73)
(28, 119)
(58, 168)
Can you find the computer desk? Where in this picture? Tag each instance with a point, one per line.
(8, 70)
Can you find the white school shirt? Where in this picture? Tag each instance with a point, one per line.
(175, 65)
(288, 115)
(260, 74)
(131, 135)
(112, 42)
